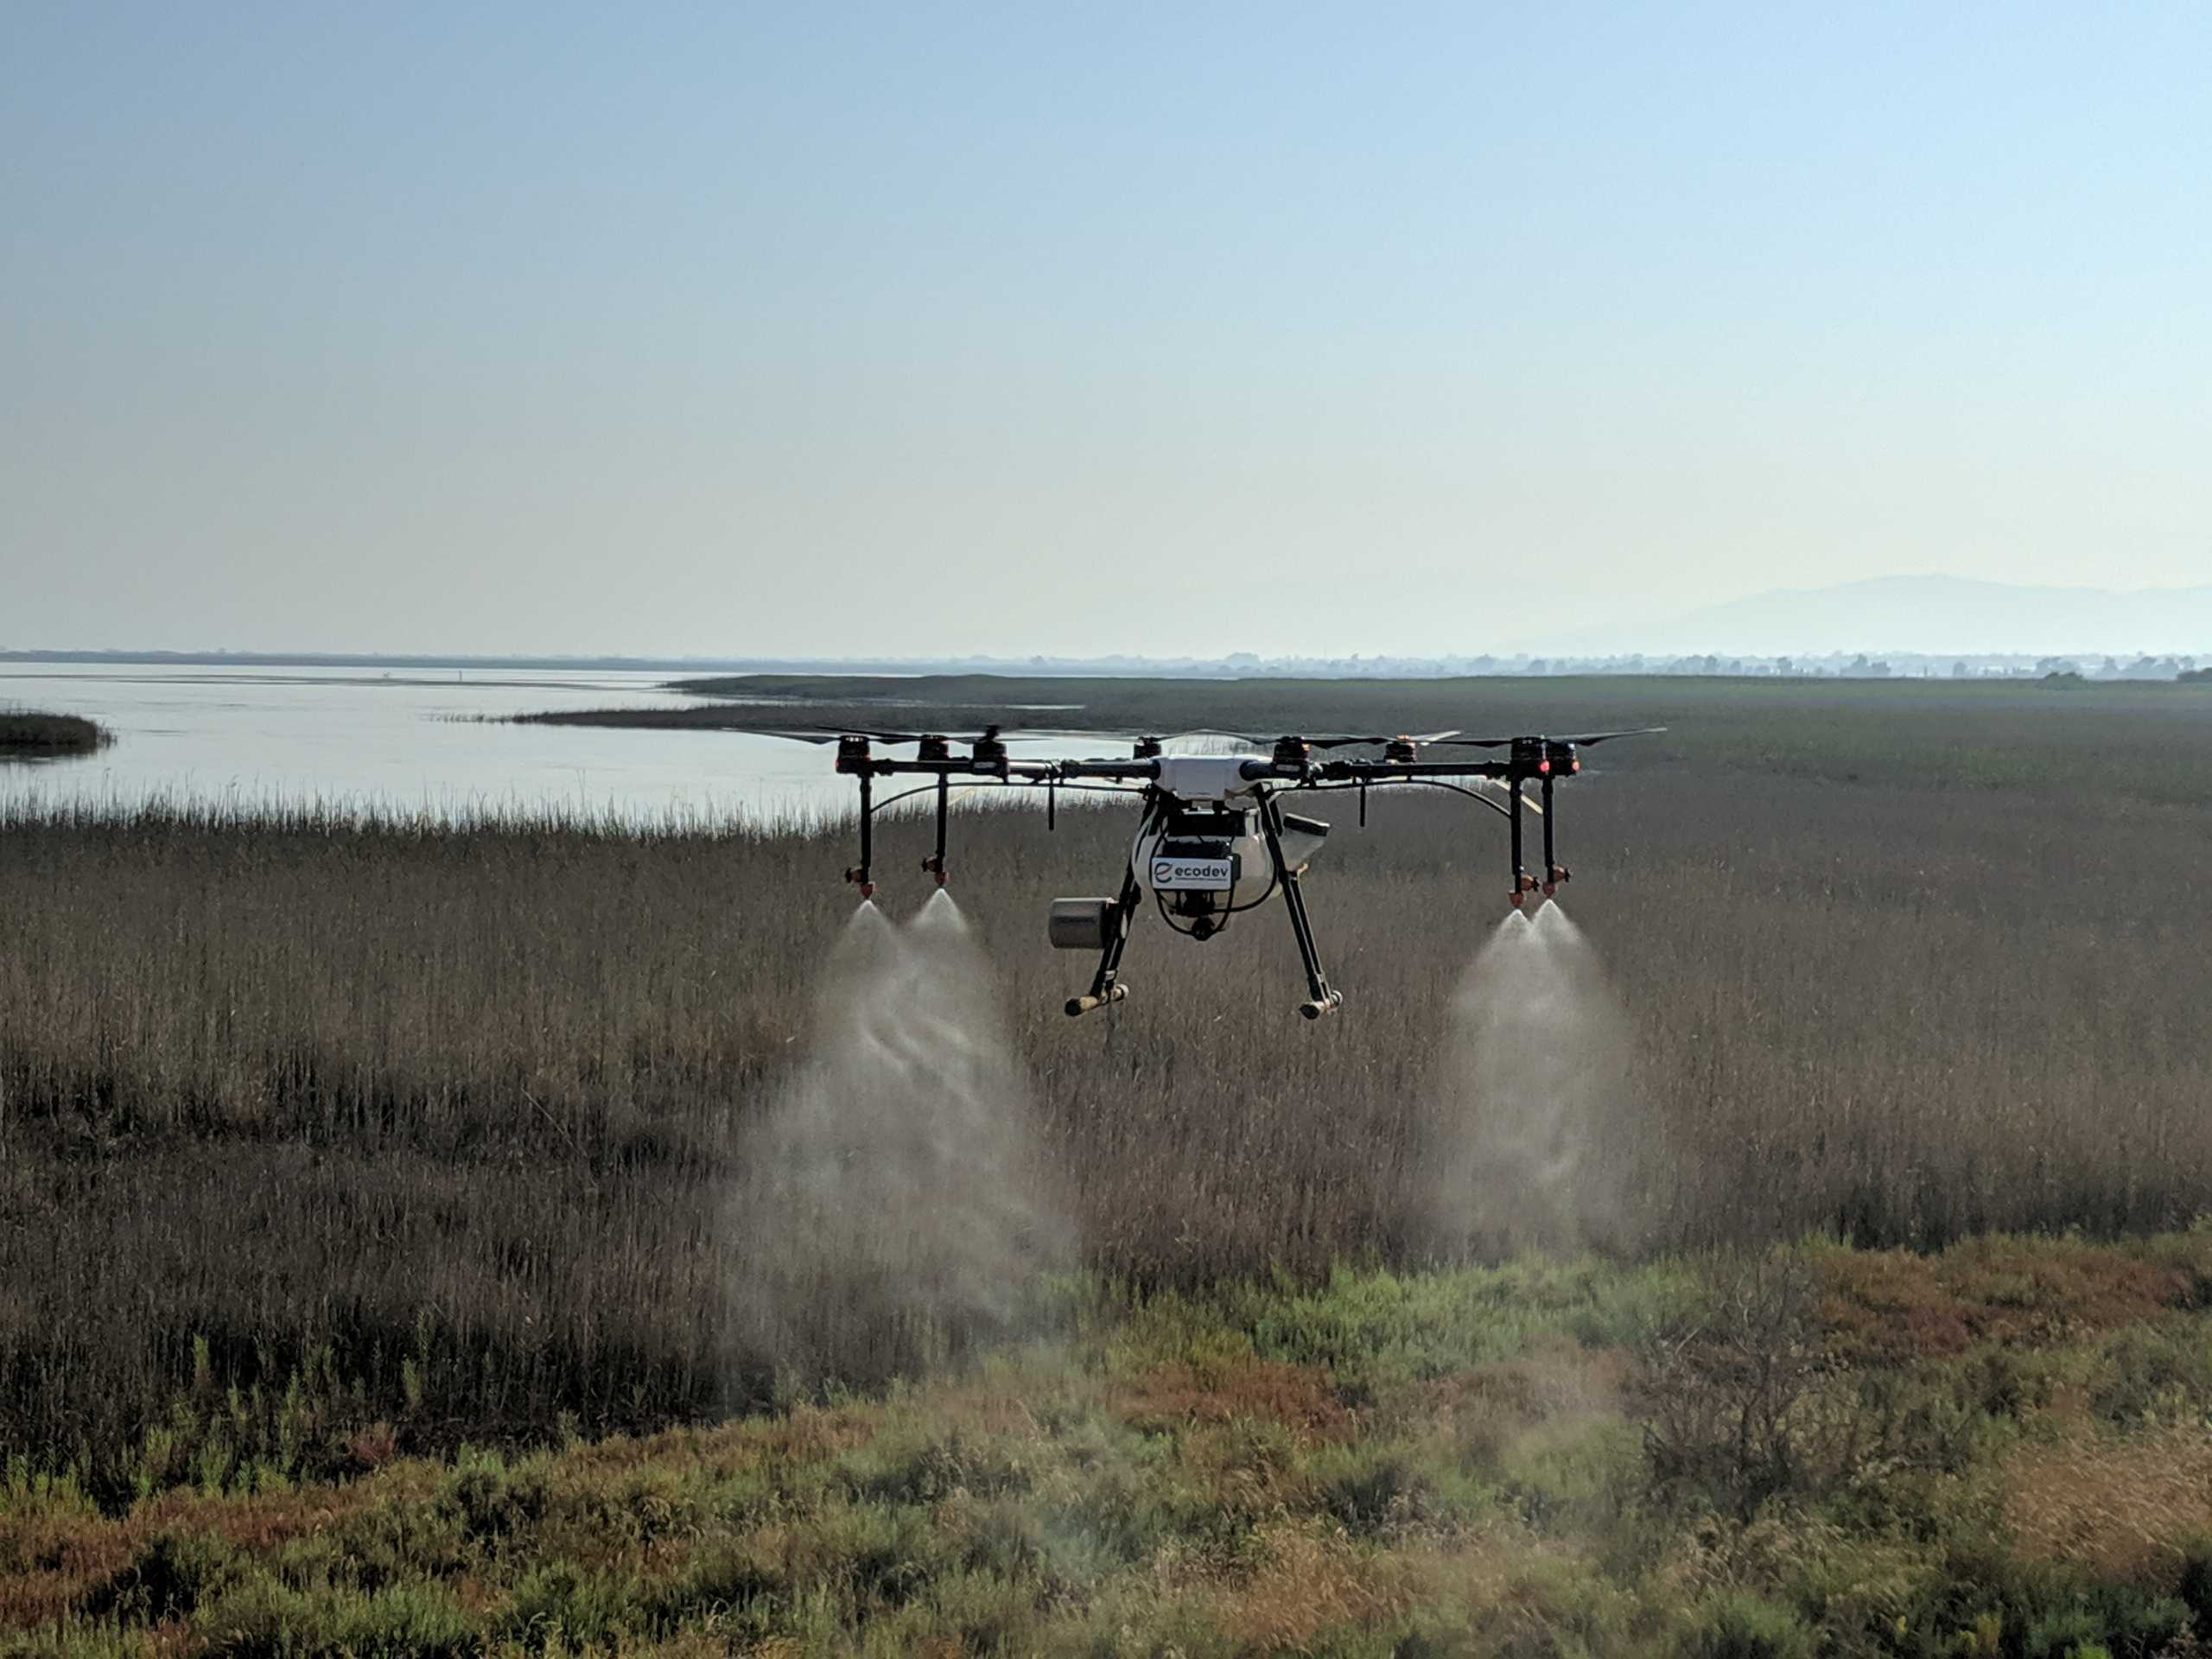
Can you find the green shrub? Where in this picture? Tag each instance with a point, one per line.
(914, 1465)
(1373, 1490)
(494, 1502)
(574, 1604)
(1740, 1625)
(2153, 1371)
(262, 1619)
(169, 1579)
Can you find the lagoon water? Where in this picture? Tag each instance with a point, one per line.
(403, 741)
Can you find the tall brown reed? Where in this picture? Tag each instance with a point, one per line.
(445, 1116)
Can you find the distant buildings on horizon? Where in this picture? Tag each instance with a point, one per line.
(1237, 665)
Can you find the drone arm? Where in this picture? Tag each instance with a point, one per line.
(1134, 771)
(1377, 771)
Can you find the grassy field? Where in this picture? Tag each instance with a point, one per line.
(1997, 1451)
(25, 733)
(329, 1143)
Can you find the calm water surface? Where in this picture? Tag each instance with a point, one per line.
(266, 737)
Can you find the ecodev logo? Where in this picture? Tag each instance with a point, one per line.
(1173, 875)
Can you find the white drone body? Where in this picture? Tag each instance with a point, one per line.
(1202, 852)
(1208, 839)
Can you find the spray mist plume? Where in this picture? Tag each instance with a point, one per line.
(890, 1215)
(1529, 1096)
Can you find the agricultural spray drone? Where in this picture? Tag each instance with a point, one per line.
(1213, 840)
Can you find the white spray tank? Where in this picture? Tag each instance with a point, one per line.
(1205, 855)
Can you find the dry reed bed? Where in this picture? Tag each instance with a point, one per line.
(411, 1110)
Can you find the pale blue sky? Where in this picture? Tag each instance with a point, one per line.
(1167, 329)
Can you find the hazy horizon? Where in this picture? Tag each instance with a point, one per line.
(951, 332)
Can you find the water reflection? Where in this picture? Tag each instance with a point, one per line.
(413, 740)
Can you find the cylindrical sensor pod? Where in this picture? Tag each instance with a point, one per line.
(1083, 923)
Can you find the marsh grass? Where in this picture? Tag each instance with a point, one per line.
(432, 1125)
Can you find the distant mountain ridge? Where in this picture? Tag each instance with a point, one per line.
(1927, 616)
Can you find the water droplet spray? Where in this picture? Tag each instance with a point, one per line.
(890, 1213)
(1528, 1098)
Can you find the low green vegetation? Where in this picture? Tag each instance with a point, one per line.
(1998, 1451)
(26, 734)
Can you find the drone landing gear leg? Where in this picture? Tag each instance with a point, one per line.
(1106, 986)
(1322, 999)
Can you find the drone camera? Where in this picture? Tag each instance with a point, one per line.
(852, 754)
(1206, 912)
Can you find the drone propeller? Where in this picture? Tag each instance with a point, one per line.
(1340, 740)
(1607, 737)
(1507, 742)
(1324, 739)
(824, 735)
(1216, 731)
